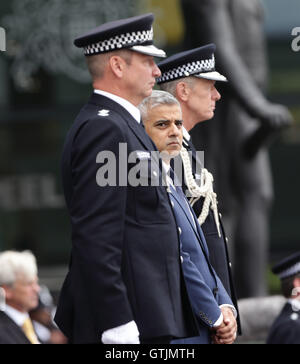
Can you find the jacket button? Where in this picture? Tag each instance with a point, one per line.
(172, 204)
(180, 231)
(181, 258)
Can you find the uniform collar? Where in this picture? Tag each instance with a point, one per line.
(295, 303)
(133, 111)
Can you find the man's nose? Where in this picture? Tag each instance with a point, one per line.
(174, 131)
(156, 71)
(216, 95)
(37, 288)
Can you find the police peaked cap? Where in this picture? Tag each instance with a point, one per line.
(199, 62)
(288, 267)
(133, 33)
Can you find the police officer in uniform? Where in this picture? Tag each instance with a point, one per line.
(125, 283)
(286, 328)
(190, 76)
(236, 140)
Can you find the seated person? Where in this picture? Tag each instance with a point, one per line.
(213, 308)
(19, 290)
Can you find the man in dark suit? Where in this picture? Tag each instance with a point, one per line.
(212, 306)
(286, 328)
(124, 284)
(191, 76)
(19, 294)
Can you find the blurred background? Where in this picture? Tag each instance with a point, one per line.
(44, 83)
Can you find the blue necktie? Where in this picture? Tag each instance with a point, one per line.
(178, 192)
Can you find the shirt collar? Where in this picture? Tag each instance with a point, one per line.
(186, 134)
(295, 303)
(133, 111)
(166, 167)
(18, 317)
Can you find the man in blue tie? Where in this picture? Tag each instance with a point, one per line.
(213, 308)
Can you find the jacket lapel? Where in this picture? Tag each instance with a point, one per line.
(197, 231)
(189, 217)
(136, 128)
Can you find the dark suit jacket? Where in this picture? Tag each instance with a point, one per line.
(204, 287)
(217, 246)
(286, 328)
(10, 332)
(125, 262)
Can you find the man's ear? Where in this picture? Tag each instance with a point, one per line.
(117, 65)
(182, 91)
(297, 283)
(6, 291)
(296, 290)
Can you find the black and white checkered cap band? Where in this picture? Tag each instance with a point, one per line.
(120, 41)
(290, 272)
(188, 69)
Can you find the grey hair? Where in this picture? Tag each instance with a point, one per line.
(172, 85)
(13, 264)
(157, 98)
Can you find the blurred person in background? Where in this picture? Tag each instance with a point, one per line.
(42, 319)
(20, 294)
(235, 142)
(286, 328)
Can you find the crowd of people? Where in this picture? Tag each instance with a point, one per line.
(149, 261)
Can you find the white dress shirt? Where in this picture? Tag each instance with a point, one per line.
(18, 317)
(295, 302)
(186, 134)
(133, 111)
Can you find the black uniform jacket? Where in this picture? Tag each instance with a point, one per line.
(217, 245)
(286, 328)
(10, 332)
(125, 262)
